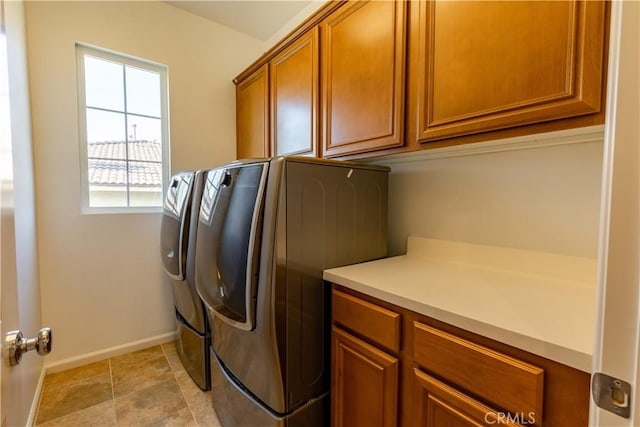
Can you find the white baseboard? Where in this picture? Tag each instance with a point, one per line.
(36, 398)
(84, 359)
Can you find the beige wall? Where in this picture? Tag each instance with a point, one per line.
(101, 277)
(544, 199)
(312, 7)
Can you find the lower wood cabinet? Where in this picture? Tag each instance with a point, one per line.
(394, 367)
(364, 383)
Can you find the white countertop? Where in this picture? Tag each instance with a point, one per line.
(539, 302)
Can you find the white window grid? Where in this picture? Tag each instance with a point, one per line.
(120, 58)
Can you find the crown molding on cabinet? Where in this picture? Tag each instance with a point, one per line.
(563, 137)
(291, 37)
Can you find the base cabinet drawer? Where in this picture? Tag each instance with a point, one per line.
(375, 323)
(364, 383)
(437, 405)
(502, 380)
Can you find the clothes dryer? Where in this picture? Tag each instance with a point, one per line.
(267, 229)
(177, 247)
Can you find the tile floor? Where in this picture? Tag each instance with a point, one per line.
(144, 388)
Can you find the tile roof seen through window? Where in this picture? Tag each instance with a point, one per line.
(108, 166)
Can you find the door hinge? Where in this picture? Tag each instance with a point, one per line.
(611, 394)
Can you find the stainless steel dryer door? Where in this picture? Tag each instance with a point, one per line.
(228, 242)
(174, 228)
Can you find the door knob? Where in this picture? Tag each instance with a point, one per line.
(17, 345)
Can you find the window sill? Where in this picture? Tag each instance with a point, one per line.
(120, 211)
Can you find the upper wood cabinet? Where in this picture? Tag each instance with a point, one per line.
(363, 77)
(482, 66)
(252, 115)
(294, 98)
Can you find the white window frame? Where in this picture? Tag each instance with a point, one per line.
(162, 70)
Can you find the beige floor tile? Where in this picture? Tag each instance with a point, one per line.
(181, 418)
(60, 401)
(150, 404)
(137, 376)
(126, 360)
(102, 415)
(169, 347)
(80, 373)
(199, 401)
(151, 388)
(172, 356)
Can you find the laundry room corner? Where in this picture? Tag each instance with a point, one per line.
(103, 288)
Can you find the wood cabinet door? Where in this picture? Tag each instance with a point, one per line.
(294, 98)
(436, 405)
(252, 115)
(490, 65)
(364, 383)
(363, 77)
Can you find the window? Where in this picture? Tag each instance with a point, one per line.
(123, 131)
